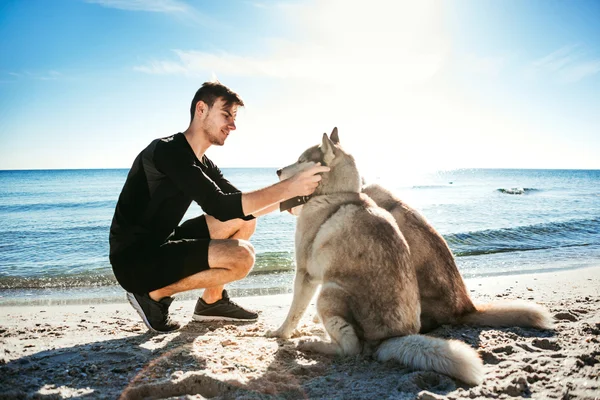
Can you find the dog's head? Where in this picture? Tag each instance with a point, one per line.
(343, 175)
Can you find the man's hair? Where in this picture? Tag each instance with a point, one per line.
(210, 92)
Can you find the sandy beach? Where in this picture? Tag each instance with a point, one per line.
(104, 351)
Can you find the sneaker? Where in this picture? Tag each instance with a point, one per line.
(155, 314)
(222, 310)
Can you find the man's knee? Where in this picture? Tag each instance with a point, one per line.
(234, 228)
(244, 258)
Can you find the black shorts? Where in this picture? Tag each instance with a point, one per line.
(184, 253)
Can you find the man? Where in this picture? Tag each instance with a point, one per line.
(152, 256)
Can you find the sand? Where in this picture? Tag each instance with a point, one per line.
(104, 351)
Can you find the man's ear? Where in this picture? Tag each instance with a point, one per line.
(201, 108)
(334, 136)
(328, 149)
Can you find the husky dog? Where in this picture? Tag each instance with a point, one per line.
(369, 299)
(443, 294)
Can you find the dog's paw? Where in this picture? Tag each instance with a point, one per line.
(318, 346)
(307, 345)
(279, 333)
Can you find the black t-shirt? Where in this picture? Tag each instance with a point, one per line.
(163, 181)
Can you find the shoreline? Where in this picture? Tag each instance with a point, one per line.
(104, 351)
(280, 283)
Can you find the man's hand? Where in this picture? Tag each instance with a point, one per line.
(266, 200)
(304, 183)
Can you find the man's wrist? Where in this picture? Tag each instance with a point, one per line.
(286, 191)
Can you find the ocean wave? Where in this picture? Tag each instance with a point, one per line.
(276, 261)
(57, 281)
(573, 233)
(103, 204)
(516, 190)
(266, 263)
(433, 186)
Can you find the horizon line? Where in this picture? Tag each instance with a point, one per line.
(270, 167)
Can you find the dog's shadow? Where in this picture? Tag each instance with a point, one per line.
(311, 375)
(293, 374)
(496, 344)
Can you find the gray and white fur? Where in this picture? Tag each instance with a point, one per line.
(369, 300)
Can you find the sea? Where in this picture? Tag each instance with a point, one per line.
(54, 227)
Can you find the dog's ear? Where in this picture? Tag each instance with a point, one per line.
(328, 149)
(334, 136)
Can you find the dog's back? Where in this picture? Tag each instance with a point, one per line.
(444, 296)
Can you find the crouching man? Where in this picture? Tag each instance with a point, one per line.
(154, 257)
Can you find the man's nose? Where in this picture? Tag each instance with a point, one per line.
(278, 172)
(232, 126)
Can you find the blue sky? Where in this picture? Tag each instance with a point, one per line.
(411, 86)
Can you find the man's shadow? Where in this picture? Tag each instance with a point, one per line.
(107, 369)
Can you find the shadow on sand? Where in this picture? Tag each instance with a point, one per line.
(171, 365)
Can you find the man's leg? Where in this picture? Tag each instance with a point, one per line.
(230, 257)
(233, 229)
(227, 257)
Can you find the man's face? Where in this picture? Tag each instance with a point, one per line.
(219, 121)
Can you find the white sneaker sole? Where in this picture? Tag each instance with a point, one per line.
(137, 307)
(206, 318)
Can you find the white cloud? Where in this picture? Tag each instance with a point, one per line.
(184, 12)
(42, 76)
(557, 59)
(311, 65)
(160, 6)
(362, 66)
(582, 70)
(256, 4)
(567, 64)
(396, 42)
(162, 68)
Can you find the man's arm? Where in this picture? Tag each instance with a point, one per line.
(301, 184)
(177, 162)
(266, 210)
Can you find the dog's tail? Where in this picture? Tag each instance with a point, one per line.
(450, 357)
(510, 313)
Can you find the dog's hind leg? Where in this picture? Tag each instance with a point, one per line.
(334, 312)
(304, 289)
